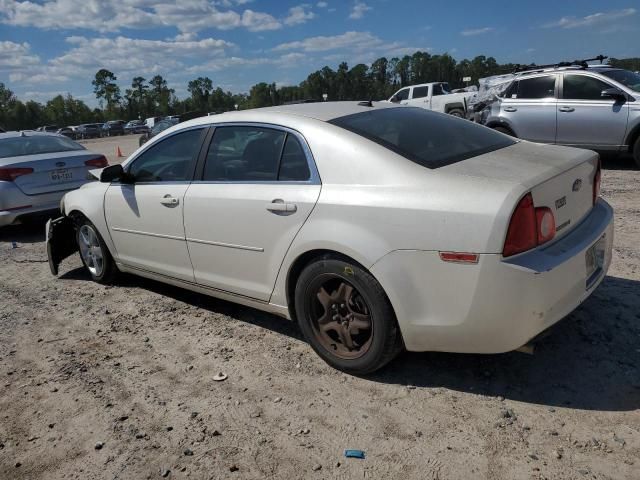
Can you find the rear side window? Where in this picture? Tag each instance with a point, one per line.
(429, 139)
(538, 87)
(581, 87)
(35, 145)
(255, 154)
(420, 92)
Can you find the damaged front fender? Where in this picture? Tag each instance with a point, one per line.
(61, 241)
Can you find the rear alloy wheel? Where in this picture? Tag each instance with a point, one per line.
(94, 253)
(346, 317)
(636, 151)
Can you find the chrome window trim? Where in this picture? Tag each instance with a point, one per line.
(314, 178)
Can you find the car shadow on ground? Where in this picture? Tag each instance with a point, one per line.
(32, 232)
(618, 161)
(589, 361)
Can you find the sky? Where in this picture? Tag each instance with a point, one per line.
(49, 47)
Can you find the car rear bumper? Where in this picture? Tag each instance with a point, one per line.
(15, 205)
(496, 305)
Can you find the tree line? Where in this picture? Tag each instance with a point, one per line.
(153, 97)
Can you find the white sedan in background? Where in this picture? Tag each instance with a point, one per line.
(37, 169)
(375, 227)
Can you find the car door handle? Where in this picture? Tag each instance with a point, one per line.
(510, 109)
(566, 109)
(279, 206)
(169, 201)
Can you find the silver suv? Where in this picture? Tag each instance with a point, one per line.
(596, 107)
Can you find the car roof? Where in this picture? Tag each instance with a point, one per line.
(323, 111)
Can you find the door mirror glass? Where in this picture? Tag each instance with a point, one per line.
(111, 173)
(613, 93)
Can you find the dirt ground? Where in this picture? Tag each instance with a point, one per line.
(118, 382)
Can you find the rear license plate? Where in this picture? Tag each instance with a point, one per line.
(61, 175)
(594, 259)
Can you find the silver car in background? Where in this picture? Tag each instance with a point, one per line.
(596, 108)
(37, 169)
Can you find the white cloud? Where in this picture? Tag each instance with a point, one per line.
(476, 31)
(591, 20)
(16, 55)
(351, 40)
(322, 4)
(299, 14)
(358, 10)
(114, 15)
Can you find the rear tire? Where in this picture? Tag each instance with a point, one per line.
(94, 253)
(346, 316)
(504, 130)
(636, 151)
(457, 112)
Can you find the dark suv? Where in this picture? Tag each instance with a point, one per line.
(113, 127)
(88, 130)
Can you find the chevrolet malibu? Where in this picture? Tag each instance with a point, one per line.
(375, 227)
(37, 169)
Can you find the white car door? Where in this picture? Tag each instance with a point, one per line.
(401, 96)
(145, 218)
(258, 186)
(419, 97)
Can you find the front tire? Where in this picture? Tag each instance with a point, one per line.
(636, 151)
(346, 316)
(94, 253)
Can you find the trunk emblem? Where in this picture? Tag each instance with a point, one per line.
(577, 185)
(60, 164)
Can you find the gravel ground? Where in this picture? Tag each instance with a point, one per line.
(108, 146)
(118, 382)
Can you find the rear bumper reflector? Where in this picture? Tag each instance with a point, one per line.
(459, 257)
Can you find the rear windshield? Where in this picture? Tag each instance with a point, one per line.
(429, 139)
(34, 145)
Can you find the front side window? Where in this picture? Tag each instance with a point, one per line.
(420, 92)
(538, 87)
(424, 137)
(625, 77)
(169, 160)
(402, 95)
(581, 87)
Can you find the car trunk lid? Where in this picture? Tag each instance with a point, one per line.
(52, 172)
(559, 178)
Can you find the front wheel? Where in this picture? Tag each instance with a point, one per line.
(94, 253)
(504, 130)
(346, 316)
(457, 112)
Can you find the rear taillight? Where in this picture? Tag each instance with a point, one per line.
(9, 174)
(99, 162)
(529, 227)
(596, 182)
(546, 224)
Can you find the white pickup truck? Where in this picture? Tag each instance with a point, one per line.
(434, 96)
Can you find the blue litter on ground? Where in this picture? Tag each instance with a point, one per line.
(354, 454)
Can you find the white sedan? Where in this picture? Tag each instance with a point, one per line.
(375, 227)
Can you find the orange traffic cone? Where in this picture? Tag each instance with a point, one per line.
(119, 152)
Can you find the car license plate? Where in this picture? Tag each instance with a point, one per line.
(594, 259)
(61, 175)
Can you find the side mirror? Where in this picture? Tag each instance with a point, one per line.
(613, 93)
(114, 172)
